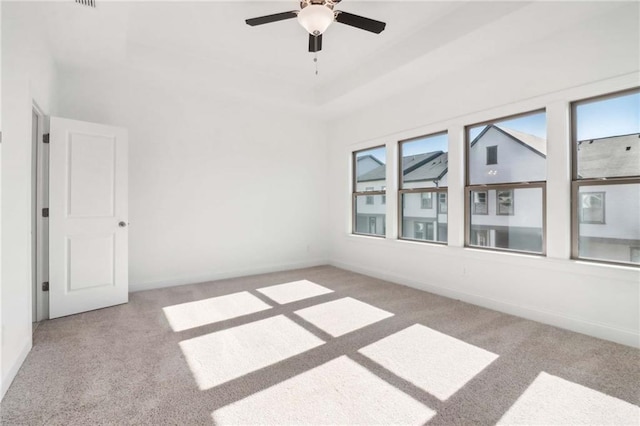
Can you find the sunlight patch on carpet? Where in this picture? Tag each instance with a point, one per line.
(294, 291)
(338, 392)
(225, 355)
(553, 400)
(435, 362)
(208, 311)
(342, 316)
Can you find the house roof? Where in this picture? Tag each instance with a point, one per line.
(532, 141)
(379, 173)
(409, 163)
(430, 170)
(609, 157)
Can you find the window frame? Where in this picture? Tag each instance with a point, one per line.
(577, 182)
(435, 189)
(355, 194)
(468, 188)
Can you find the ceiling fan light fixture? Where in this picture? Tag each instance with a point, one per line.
(315, 18)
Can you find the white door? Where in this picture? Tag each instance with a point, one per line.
(88, 241)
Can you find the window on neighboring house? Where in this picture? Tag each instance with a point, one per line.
(505, 203)
(384, 196)
(492, 154)
(426, 200)
(606, 178)
(423, 230)
(369, 197)
(480, 237)
(442, 202)
(423, 167)
(521, 175)
(480, 205)
(369, 172)
(592, 207)
(372, 225)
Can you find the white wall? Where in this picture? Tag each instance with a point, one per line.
(600, 300)
(28, 75)
(218, 187)
(1, 327)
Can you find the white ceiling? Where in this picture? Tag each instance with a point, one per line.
(208, 46)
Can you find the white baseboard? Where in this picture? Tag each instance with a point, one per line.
(13, 370)
(579, 325)
(221, 275)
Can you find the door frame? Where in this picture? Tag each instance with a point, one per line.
(40, 185)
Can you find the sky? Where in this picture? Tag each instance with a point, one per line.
(608, 117)
(594, 119)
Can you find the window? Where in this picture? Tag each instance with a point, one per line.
(384, 196)
(481, 237)
(426, 200)
(480, 202)
(493, 187)
(423, 166)
(423, 230)
(505, 203)
(369, 197)
(492, 154)
(606, 178)
(592, 207)
(369, 173)
(372, 225)
(442, 202)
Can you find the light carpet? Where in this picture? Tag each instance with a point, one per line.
(316, 346)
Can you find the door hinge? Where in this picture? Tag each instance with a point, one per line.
(45, 138)
(45, 212)
(45, 286)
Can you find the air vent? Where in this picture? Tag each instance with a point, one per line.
(89, 3)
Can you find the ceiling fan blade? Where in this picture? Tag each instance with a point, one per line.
(271, 18)
(360, 22)
(315, 43)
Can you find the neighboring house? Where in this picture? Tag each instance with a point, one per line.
(366, 163)
(425, 218)
(371, 209)
(507, 218)
(608, 214)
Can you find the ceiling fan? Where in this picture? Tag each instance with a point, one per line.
(315, 16)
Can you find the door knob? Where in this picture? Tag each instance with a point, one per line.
(122, 224)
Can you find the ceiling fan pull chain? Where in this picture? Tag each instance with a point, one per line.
(315, 59)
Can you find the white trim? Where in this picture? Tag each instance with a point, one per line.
(579, 325)
(13, 370)
(214, 276)
(42, 300)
